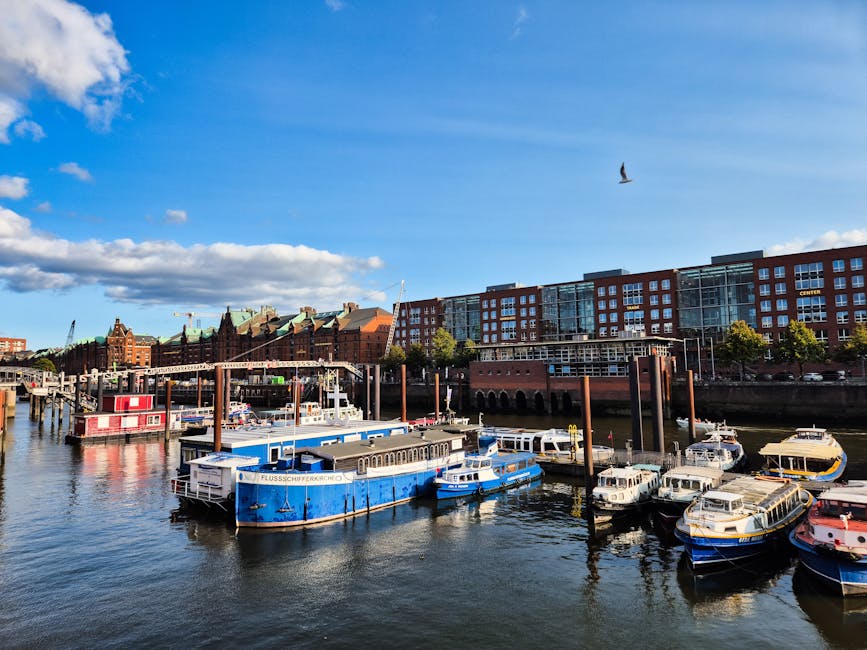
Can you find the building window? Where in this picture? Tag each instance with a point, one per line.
(654, 314)
(840, 283)
(602, 304)
(666, 299)
(532, 311)
(668, 328)
(654, 299)
(764, 274)
(839, 266)
(857, 281)
(484, 304)
(666, 313)
(523, 300)
(822, 335)
(779, 271)
(809, 276)
(782, 304)
(858, 299)
(842, 317)
(861, 315)
(856, 264)
(603, 331)
(600, 291)
(842, 333)
(665, 284)
(523, 324)
(841, 300)
(532, 323)
(614, 330)
(654, 328)
(612, 290)
(780, 287)
(532, 299)
(765, 305)
(485, 338)
(485, 327)
(603, 318)
(494, 326)
(767, 322)
(613, 318)
(811, 309)
(523, 312)
(652, 285)
(764, 290)
(612, 304)
(782, 320)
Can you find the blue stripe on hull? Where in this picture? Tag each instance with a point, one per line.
(296, 505)
(848, 577)
(709, 551)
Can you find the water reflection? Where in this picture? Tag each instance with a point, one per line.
(841, 621)
(730, 592)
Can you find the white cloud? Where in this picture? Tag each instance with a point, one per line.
(60, 47)
(24, 128)
(44, 207)
(74, 169)
(520, 19)
(166, 272)
(13, 187)
(175, 216)
(830, 239)
(335, 5)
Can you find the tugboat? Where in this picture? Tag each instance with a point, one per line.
(832, 541)
(487, 471)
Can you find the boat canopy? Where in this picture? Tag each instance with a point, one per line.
(797, 450)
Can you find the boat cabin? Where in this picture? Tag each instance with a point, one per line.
(714, 501)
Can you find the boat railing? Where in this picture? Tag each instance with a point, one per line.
(182, 487)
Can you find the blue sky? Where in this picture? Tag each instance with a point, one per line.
(163, 156)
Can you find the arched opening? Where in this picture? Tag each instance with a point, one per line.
(480, 401)
(504, 401)
(539, 402)
(555, 405)
(492, 401)
(567, 403)
(520, 402)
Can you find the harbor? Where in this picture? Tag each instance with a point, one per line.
(125, 541)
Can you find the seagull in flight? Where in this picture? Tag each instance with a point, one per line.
(623, 177)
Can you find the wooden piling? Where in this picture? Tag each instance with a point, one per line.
(403, 392)
(588, 445)
(376, 392)
(635, 403)
(656, 403)
(690, 391)
(198, 391)
(437, 396)
(2, 413)
(100, 387)
(227, 397)
(218, 407)
(168, 408)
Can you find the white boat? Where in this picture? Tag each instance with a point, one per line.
(719, 449)
(624, 490)
(811, 454)
(701, 426)
(548, 444)
(682, 485)
(740, 519)
(832, 540)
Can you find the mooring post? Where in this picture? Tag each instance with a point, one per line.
(198, 392)
(367, 394)
(588, 446)
(296, 400)
(403, 392)
(2, 413)
(437, 396)
(690, 392)
(656, 403)
(376, 392)
(100, 382)
(218, 408)
(227, 398)
(635, 400)
(77, 381)
(168, 408)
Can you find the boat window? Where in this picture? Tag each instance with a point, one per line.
(719, 505)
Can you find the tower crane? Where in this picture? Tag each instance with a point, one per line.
(189, 315)
(390, 338)
(71, 335)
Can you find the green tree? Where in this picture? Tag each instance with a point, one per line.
(854, 347)
(799, 345)
(395, 358)
(741, 345)
(444, 346)
(44, 363)
(416, 359)
(466, 352)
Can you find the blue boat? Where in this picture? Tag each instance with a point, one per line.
(346, 479)
(487, 471)
(811, 454)
(832, 540)
(740, 519)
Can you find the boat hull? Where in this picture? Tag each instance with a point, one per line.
(710, 552)
(479, 488)
(293, 499)
(846, 576)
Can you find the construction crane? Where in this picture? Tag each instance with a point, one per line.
(390, 338)
(189, 315)
(71, 335)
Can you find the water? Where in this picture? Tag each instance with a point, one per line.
(91, 554)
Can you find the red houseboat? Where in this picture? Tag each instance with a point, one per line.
(122, 417)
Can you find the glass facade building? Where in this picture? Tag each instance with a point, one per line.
(461, 318)
(567, 310)
(712, 297)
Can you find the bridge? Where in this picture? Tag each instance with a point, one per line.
(60, 386)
